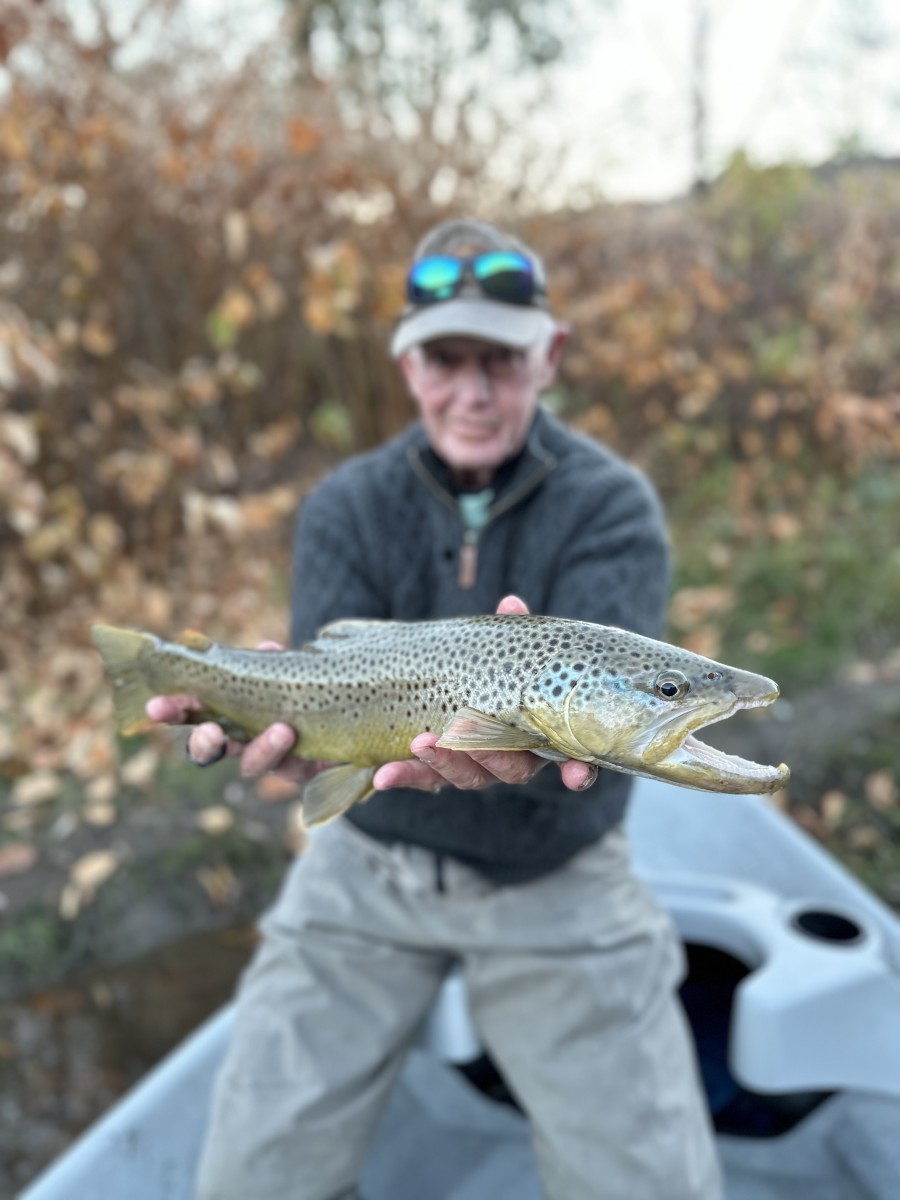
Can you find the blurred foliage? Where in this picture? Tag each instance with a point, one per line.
(200, 264)
(359, 36)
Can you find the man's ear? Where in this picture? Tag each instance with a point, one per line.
(553, 355)
(408, 367)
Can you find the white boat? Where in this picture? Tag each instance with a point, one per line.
(793, 995)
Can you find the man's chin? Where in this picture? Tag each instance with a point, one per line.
(474, 453)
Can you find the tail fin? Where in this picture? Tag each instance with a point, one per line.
(121, 650)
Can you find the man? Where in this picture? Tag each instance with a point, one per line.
(512, 868)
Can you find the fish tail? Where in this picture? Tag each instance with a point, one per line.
(121, 651)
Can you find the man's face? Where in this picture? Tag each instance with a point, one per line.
(477, 399)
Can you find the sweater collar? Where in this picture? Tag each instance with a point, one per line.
(514, 477)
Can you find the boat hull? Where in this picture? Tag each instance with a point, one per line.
(801, 1062)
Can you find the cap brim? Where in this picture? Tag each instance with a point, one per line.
(519, 326)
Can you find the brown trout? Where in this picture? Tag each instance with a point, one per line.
(362, 690)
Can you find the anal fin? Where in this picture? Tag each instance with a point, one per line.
(334, 790)
(470, 729)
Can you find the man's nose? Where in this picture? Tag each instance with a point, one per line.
(473, 380)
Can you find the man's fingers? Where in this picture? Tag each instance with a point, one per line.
(267, 752)
(207, 744)
(433, 768)
(509, 766)
(409, 773)
(455, 767)
(172, 710)
(577, 776)
(475, 769)
(512, 605)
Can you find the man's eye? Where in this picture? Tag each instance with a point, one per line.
(501, 359)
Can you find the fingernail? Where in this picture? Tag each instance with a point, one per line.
(280, 740)
(200, 748)
(206, 756)
(590, 780)
(426, 754)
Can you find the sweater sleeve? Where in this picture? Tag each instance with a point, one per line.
(614, 566)
(331, 573)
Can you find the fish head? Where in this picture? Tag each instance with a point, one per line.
(636, 707)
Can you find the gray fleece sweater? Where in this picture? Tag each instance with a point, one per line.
(572, 529)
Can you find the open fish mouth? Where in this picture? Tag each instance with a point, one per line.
(730, 768)
(674, 753)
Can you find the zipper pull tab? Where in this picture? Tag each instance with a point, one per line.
(468, 561)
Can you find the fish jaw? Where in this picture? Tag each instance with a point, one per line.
(641, 736)
(694, 764)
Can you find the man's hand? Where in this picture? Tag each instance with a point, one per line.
(435, 767)
(208, 743)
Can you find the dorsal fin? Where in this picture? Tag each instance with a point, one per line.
(193, 639)
(351, 627)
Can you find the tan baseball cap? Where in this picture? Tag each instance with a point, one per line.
(471, 313)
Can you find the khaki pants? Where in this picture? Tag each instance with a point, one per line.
(572, 985)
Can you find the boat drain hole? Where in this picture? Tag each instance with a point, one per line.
(828, 926)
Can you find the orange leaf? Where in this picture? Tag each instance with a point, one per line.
(881, 790)
(16, 858)
(98, 339)
(273, 789)
(302, 136)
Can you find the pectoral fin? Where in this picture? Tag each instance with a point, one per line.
(470, 729)
(334, 790)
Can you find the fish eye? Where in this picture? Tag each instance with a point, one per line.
(671, 685)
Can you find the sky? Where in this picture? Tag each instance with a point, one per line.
(784, 79)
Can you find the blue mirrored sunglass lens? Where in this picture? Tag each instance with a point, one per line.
(435, 278)
(505, 275)
(500, 262)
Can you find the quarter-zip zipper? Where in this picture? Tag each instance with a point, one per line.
(468, 560)
(468, 551)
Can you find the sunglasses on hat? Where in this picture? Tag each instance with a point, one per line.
(504, 275)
